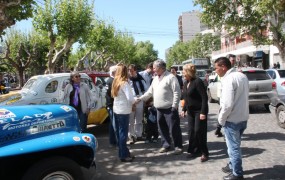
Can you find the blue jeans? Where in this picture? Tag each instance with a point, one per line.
(112, 135)
(233, 134)
(122, 128)
(82, 120)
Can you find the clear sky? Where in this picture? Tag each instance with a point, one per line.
(153, 20)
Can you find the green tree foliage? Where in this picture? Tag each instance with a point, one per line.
(14, 10)
(105, 46)
(21, 50)
(200, 46)
(65, 22)
(144, 54)
(251, 17)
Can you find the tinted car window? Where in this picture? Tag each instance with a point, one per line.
(281, 73)
(256, 75)
(201, 73)
(271, 74)
(51, 87)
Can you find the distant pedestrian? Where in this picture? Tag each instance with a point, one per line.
(147, 74)
(123, 103)
(166, 93)
(173, 70)
(78, 95)
(109, 105)
(233, 114)
(196, 104)
(274, 66)
(278, 65)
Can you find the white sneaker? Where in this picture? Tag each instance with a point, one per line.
(177, 151)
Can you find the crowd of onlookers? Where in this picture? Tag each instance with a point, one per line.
(146, 105)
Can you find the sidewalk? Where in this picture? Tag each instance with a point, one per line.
(263, 150)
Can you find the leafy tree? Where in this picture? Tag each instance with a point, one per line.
(14, 10)
(252, 17)
(21, 50)
(105, 46)
(100, 45)
(144, 54)
(200, 46)
(65, 22)
(178, 53)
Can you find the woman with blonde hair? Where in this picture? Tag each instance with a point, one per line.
(196, 105)
(123, 102)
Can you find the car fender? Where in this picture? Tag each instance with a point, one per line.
(50, 142)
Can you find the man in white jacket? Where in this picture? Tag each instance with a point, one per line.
(234, 113)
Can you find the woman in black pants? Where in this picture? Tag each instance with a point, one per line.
(196, 105)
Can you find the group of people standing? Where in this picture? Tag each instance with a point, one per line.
(128, 91)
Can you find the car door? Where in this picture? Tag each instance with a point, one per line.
(213, 88)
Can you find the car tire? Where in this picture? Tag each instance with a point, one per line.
(54, 167)
(281, 116)
(210, 99)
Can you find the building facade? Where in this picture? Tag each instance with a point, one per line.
(189, 25)
(248, 54)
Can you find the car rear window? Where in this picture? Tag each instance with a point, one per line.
(281, 73)
(256, 75)
(201, 73)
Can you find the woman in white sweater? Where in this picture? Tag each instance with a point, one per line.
(123, 102)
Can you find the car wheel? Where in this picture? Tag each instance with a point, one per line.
(281, 116)
(54, 168)
(210, 99)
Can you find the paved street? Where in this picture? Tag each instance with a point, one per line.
(263, 150)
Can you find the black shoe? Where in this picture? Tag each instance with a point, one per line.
(227, 169)
(140, 139)
(219, 134)
(204, 158)
(128, 159)
(232, 177)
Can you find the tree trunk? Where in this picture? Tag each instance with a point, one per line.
(21, 77)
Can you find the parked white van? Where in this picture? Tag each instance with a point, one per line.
(49, 89)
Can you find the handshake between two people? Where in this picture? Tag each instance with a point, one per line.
(137, 100)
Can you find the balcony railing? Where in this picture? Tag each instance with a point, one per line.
(231, 48)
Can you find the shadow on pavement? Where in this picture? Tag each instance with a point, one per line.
(274, 173)
(263, 136)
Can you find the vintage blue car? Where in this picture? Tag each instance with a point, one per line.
(43, 142)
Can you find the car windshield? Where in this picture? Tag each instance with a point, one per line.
(281, 73)
(29, 84)
(256, 75)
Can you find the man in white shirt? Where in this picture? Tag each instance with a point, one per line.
(234, 113)
(147, 74)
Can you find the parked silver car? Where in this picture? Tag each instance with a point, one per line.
(262, 88)
(277, 109)
(278, 75)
